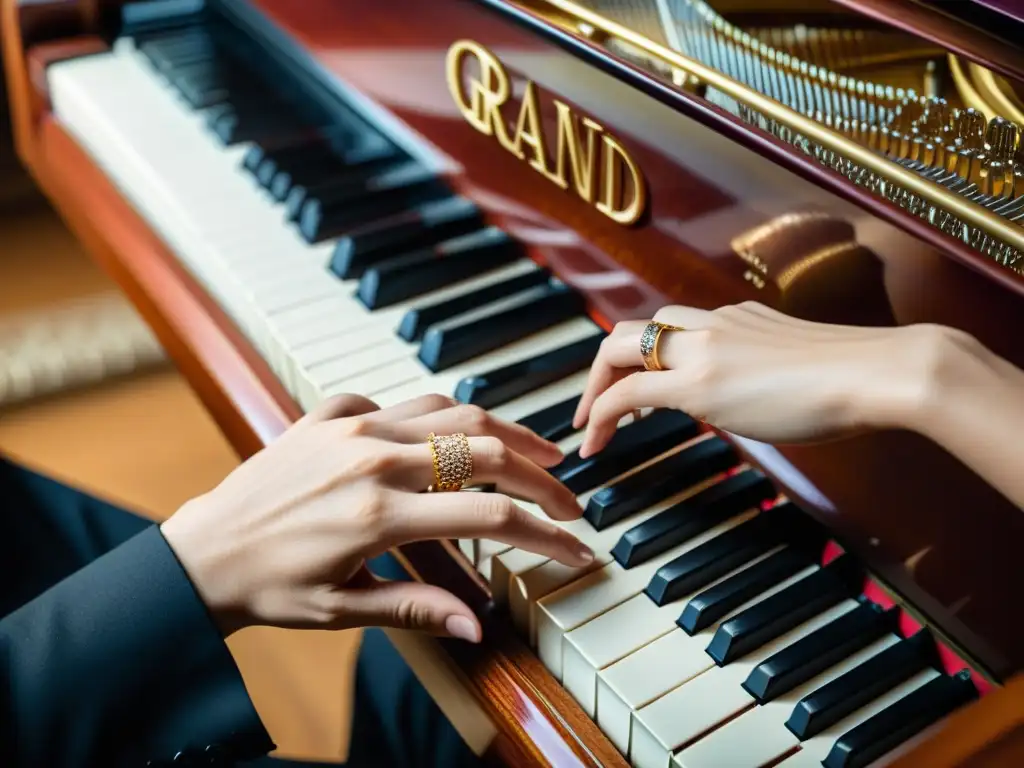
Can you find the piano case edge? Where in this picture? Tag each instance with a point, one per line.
(538, 723)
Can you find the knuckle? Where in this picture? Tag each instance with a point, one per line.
(474, 417)
(667, 314)
(436, 401)
(373, 507)
(372, 458)
(500, 511)
(495, 451)
(345, 404)
(701, 364)
(354, 427)
(411, 615)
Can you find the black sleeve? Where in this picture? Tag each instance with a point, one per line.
(120, 664)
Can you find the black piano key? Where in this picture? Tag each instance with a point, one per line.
(168, 52)
(335, 213)
(659, 481)
(672, 526)
(716, 602)
(411, 275)
(478, 332)
(499, 386)
(839, 580)
(339, 186)
(423, 226)
(632, 445)
(865, 743)
(835, 700)
(418, 320)
(290, 177)
(207, 83)
(811, 655)
(270, 124)
(553, 423)
(171, 44)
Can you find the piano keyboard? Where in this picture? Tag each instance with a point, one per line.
(710, 630)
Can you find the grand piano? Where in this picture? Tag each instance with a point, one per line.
(462, 196)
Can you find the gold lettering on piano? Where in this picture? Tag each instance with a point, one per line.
(586, 158)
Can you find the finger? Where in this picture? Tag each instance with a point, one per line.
(690, 318)
(483, 516)
(411, 409)
(339, 407)
(493, 462)
(476, 422)
(618, 356)
(405, 605)
(648, 389)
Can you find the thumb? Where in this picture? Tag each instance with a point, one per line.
(409, 605)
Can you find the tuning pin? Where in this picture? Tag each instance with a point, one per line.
(1001, 138)
(873, 135)
(970, 164)
(951, 155)
(1018, 171)
(998, 179)
(935, 119)
(971, 127)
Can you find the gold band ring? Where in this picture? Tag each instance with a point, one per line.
(649, 343)
(453, 461)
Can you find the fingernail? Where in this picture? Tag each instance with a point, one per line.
(462, 628)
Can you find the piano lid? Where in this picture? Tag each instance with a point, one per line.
(931, 131)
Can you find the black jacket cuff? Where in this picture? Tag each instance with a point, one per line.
(121, 663)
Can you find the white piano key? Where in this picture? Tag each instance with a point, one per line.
(232, 236)
(759, 737)
(572, 606)
(663, 664)
(531, 585)
(597, 644)
(816, 748)
(682, 715)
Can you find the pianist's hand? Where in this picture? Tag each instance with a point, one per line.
(750, 370)
(284, 538)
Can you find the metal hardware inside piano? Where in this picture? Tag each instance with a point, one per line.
(461, 196)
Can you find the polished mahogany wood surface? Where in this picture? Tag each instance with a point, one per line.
(891, 496)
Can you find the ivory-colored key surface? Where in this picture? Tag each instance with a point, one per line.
(816, 748)
(586, 599)
(698, 705)
(537, 583)
(759, 736)
(598, 644)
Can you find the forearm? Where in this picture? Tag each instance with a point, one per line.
(971, 402)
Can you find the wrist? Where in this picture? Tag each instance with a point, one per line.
(208, 563)
(924, 374)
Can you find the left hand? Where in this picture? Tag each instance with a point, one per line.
(756, 372)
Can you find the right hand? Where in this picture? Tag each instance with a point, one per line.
(755, 372)
(283, 540)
